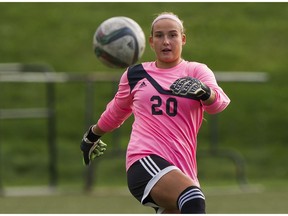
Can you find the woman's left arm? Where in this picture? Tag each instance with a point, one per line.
(218, 100)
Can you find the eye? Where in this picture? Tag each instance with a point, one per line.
(173, 35)
(158, 35)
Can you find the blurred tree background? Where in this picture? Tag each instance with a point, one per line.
(225, 36)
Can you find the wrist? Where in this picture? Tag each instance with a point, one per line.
(91, 136)
(211, 99)
(205, 96)
(207, 93)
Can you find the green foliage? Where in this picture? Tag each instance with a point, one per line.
(225, 36)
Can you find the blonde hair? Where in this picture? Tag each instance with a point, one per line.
(167, 15)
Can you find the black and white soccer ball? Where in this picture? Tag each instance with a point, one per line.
(119, 42)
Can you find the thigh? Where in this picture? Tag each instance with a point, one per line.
(167, 190)
(144, 174)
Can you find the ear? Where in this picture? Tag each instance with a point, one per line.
(183, 39)
(151, 42)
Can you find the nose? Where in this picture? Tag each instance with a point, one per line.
(166, 40)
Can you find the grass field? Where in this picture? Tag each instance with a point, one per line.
(224, 200)
(225, 36)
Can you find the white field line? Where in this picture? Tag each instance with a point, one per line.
(123, 191)
(29, 191)
(233, 190)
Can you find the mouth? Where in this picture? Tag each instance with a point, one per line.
(166, 50)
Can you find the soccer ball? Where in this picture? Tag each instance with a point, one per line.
(119, 42)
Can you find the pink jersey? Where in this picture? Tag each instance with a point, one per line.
(164, 124)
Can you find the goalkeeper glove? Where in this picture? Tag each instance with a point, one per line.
(191, 86)
(91, 146)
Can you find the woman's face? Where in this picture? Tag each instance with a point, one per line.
(167, 41)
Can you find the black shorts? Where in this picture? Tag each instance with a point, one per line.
(144, 174)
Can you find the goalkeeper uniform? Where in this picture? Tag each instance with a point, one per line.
(165, 125)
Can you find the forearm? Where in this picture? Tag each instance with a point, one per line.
(220, 102)
(211, 99)
(97, 130)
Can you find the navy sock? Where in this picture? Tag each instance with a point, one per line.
(191, 200)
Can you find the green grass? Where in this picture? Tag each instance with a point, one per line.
(73, 204)
(219, 200)
(225, 36)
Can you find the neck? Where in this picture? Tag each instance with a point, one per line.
(165, 65)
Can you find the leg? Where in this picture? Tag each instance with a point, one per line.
(167, 190)
(177, 191)
(156, 183)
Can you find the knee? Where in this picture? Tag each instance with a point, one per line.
(191, 200)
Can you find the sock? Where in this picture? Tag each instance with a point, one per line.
(191, 200)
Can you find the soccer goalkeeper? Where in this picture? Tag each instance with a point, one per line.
(168, 98)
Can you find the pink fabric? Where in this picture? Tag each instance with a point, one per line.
(171, 137)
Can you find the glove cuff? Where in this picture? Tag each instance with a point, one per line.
(205, 96)
(207, 93)
(90, 136)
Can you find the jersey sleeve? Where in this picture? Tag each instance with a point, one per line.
(119, 108)
(205, 75)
